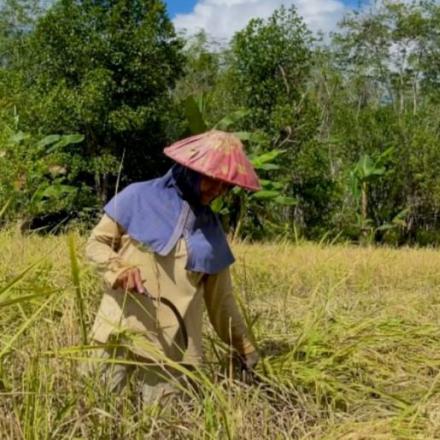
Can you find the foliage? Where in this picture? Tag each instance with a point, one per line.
(240, 204)
(104, 70)
(378, 99)
(201, 69)
(248, 214)
(271, 64)
(366, 171)
(271, 61)
(323, 106)
(38, 178)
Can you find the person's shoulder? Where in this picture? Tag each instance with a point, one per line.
(139, 189)
(136, 187)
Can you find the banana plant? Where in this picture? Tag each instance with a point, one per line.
(366, 171)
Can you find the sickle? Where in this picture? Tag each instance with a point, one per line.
(178, 316)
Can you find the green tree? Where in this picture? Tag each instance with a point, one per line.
(271, 62)
(271, 65)
(17, 18)
(392, 50)
(207, 79)
(384, 100)
(105, 69)
(201, 69)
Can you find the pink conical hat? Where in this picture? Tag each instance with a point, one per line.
(216, 154)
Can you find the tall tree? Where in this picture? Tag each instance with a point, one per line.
(105, 69)
(271, 60)
(270, 75)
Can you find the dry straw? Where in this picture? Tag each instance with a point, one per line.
(350, 339)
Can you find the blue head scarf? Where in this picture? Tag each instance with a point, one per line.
(159, 212)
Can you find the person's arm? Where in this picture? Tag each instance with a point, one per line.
(226, 318)
(102, 249)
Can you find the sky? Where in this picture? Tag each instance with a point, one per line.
(222, 18)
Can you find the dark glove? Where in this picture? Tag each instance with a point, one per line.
(248, 361)
(246, 364)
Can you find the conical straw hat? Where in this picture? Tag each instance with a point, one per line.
(216, 154)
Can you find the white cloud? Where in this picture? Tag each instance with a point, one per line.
(222, 18)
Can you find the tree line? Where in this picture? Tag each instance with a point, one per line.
(344, 130)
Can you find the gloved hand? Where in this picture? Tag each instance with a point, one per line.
(246, 364)
(249, 361)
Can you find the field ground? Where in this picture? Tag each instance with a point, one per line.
(350, 337)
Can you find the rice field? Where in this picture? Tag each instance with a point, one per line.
(350, 339)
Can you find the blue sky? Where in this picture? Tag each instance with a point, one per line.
(222, 18)
(179, 6)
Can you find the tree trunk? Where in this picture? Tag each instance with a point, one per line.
(101, 186)
(415, 96)
(402, 96)
(364, 209)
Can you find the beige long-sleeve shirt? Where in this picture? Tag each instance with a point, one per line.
(153, 323)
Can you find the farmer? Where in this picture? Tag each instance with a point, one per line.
(162, 252)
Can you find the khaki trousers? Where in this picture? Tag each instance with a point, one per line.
(116, 367)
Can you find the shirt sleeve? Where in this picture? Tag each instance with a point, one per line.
(102, 249)
(224, 314)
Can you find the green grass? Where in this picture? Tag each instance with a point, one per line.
(350, 337)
